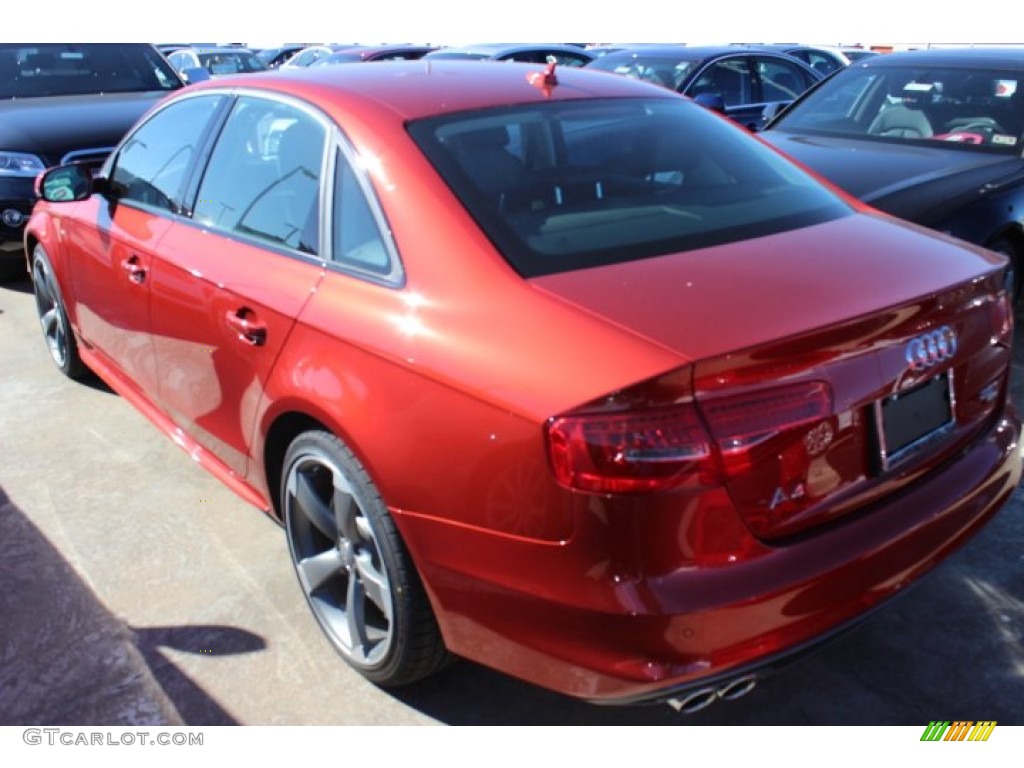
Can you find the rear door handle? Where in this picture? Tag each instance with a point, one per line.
(133, 266)
(249, 328)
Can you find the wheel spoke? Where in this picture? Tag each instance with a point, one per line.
(315, 570)
(50, 321)
(311, 505)
(345, 510)
(374, 583)
(355, 616)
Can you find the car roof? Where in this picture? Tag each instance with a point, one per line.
(410, 90)
(1009, 58)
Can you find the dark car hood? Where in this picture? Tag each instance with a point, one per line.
(913, 182)
(51, 126)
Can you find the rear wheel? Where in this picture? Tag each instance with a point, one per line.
(57, 333)
(353, 567)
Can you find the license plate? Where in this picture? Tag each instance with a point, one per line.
(910, 420)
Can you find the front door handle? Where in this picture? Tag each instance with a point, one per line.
(133, 266)
(249, 328)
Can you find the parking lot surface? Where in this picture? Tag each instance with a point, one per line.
(138, 589)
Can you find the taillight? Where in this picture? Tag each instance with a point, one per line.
(629, 445)
(1001, 315)
(631, 452)
(740, 422)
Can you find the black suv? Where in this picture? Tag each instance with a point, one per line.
(64, 103)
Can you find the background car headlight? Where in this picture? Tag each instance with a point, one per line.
(20, 164)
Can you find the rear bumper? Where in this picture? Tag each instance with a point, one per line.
(571, 617)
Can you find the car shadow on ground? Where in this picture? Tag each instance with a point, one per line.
(75, 663)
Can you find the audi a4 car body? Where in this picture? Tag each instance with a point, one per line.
(62, 103)
(531, 379)
(934, 137)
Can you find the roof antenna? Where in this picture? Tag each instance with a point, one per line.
(545, 80)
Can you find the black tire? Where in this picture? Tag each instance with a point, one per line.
(1005, 246)
(353, 567)
(57, 332)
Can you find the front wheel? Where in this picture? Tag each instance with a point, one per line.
(352, 565)
(53, 317)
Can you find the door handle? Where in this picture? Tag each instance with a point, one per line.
(250, 330)
(136, 272)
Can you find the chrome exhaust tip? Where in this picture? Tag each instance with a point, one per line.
(705, 697)
(695, 701)
(737, 688)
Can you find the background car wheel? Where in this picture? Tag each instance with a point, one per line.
(353, 567)
(57, 333)
(1006, 247)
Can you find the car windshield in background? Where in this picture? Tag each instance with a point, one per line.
(567, 185)
(47, 69)
(668, 71)
(231, 62)
(973, 108)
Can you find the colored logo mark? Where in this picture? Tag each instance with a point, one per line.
(960, 730)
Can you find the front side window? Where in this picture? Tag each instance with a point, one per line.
(568, 185)
(263, 177)
(729, 78)
(152, 165)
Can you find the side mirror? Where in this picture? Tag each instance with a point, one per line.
(193, 75)
(712, 101)
(65, 184)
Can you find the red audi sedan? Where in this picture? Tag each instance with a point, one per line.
(552, 370)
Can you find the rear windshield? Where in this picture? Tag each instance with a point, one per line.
(566, 185)
(56, 69)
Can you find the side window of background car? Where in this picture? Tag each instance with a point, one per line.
(263, 178)
(151, 167)
(781, 80)
(729, 78)
(357, 240)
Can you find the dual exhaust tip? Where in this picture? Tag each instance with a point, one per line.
(705, 697)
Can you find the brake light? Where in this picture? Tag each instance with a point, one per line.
(637, 448)
(630, 452)
(738, 422)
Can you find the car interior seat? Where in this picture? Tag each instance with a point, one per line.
(484, 156)
(905, 119)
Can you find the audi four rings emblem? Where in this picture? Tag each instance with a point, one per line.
(931, 348)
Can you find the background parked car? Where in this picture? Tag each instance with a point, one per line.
(310, 55)
(931, 136)
(362, 53)
(740, 82)
(565, 55)
(275, 57)
(62, 103)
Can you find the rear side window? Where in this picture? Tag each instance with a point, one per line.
(357, 240)
(567, 185)
(263, 178)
